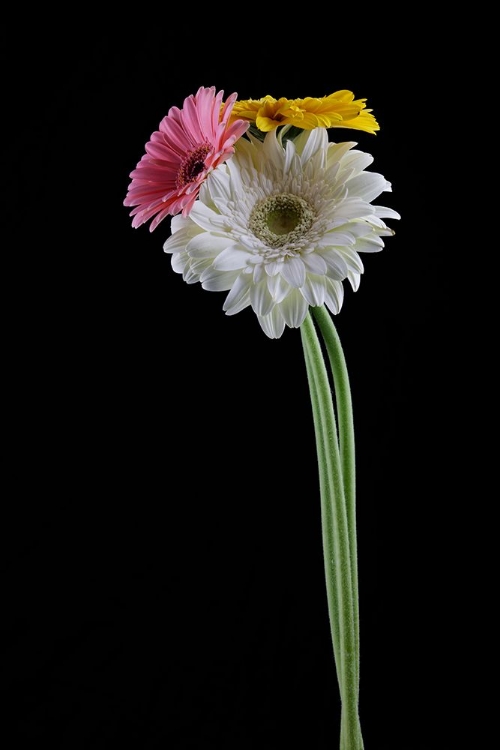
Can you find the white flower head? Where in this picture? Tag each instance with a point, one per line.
(281, 226)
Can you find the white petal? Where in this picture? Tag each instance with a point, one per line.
(338, 195)
(237, 186)
(353, 208)
(316, 143)
(294, 309)
(355, 279)
(367, 185)
(293, 270)
(357, 161)
(314, 263)
(240, 291)
(278, 287)
(217, 281)
(190, 276)
(352, 259)
(314, 290)
(206, 245)
(199, 265)
(336, 238)
(219, 184)
(289, 156)
(386, 213)
(273, 324)
(358, 228)
(231, 259)
(207, 218)
(331, 172)
(371, 244)
(179, 261)
(237, 307)
(261, 299)
(337, 150)
(179, 222)
(334, 295)
(337, 268)
(178, 241)
(243, 148)
(379, 226)
(273, 268)
(274, 153)
(258, 272)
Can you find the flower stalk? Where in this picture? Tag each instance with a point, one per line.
(336, 531)
(346, 444)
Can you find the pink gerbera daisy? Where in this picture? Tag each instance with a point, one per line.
(190, 143)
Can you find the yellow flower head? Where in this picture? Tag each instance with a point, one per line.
(339, 110)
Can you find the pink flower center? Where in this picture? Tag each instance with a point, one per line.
(192, 164)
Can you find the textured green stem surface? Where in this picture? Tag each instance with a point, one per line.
(336, 536)
(326, 479)
(346, 441)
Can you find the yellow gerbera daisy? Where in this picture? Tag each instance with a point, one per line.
(338, 110)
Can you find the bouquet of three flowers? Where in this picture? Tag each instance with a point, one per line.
(266, 209)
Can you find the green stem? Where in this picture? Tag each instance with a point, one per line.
(326, 479)
(335, 536)
(347, 448)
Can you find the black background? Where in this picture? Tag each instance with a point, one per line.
(163, 577)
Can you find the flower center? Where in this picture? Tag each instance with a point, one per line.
(280, 219)
(192, 164)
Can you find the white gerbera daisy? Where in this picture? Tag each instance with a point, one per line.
(281, 225)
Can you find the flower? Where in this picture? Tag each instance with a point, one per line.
(281, 226)
(190, 143)
(338, 110)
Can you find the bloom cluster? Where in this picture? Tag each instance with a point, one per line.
(263, 205)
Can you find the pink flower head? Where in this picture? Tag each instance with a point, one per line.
(190, 143)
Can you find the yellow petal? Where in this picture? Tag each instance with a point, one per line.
(339, 109)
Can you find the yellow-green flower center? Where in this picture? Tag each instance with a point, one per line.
(280, 219)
